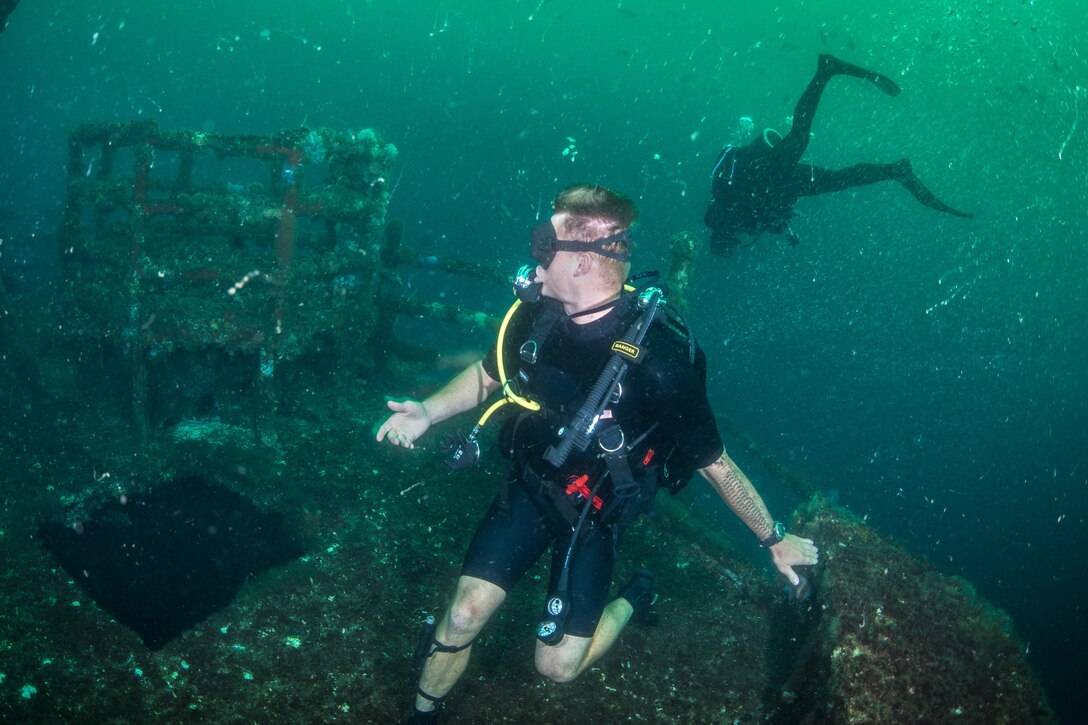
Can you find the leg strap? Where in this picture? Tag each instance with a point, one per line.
(436, 700)
(437, 646)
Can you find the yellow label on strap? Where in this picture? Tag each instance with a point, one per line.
(627, 349)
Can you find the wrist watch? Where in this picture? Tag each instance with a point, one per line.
(777, 534)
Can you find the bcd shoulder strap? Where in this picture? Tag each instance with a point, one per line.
(529, 352)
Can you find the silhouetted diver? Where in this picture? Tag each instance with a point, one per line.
(754, 187)
(6, 8)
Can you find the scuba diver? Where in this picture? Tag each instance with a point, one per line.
(7, 7)
(609, 393)
(754, 187)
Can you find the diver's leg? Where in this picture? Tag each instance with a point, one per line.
(813, 180)
(796, 141)
(589, 627)
(509, 539)
(573, 655)
(473, 604)
(592, 627)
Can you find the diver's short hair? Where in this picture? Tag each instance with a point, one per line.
(595, 212)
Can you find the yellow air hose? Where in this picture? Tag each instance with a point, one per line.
(509, 396)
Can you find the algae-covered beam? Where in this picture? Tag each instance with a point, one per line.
(74, 194)
(457, 267)
(115, 134)
(448, 313)
(802, 486)
(394, 254)
(684, 247)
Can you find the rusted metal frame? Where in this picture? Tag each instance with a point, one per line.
(133, 333)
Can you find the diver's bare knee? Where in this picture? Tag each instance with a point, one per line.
(563, 662)
(474, 603)
(557, 670)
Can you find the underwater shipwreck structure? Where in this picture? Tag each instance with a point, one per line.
(259, 248)
(237, 255)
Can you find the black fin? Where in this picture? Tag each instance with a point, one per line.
(836, 66)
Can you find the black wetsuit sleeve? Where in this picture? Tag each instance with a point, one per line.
(698, 440)
(683, 411)
(490, 362)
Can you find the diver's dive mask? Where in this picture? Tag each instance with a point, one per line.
(543, 244)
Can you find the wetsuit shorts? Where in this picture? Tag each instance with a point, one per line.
(511, 538)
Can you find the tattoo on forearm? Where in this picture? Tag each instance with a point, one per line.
(737, 491)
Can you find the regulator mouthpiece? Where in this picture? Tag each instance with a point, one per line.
(526, 287)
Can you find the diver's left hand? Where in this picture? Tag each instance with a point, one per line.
(794, 551)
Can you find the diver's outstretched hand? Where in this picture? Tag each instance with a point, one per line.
(794, 551)
(408, 422)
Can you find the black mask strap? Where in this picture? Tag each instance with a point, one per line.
(597, 246)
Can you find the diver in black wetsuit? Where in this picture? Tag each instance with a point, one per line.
(754, 187)
(6, 9)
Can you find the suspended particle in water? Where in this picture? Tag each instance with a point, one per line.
(1078, 93)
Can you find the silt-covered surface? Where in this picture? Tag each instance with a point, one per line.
(328, 636)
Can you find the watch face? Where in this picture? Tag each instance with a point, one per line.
(777, 534)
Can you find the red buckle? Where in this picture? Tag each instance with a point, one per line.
(577, 485)
(646, 459)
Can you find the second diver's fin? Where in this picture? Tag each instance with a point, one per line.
(833, 65)
(905, 175)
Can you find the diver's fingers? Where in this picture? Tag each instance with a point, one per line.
(808, 550)
(395, 437)
(791, 575)
(387, 430)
